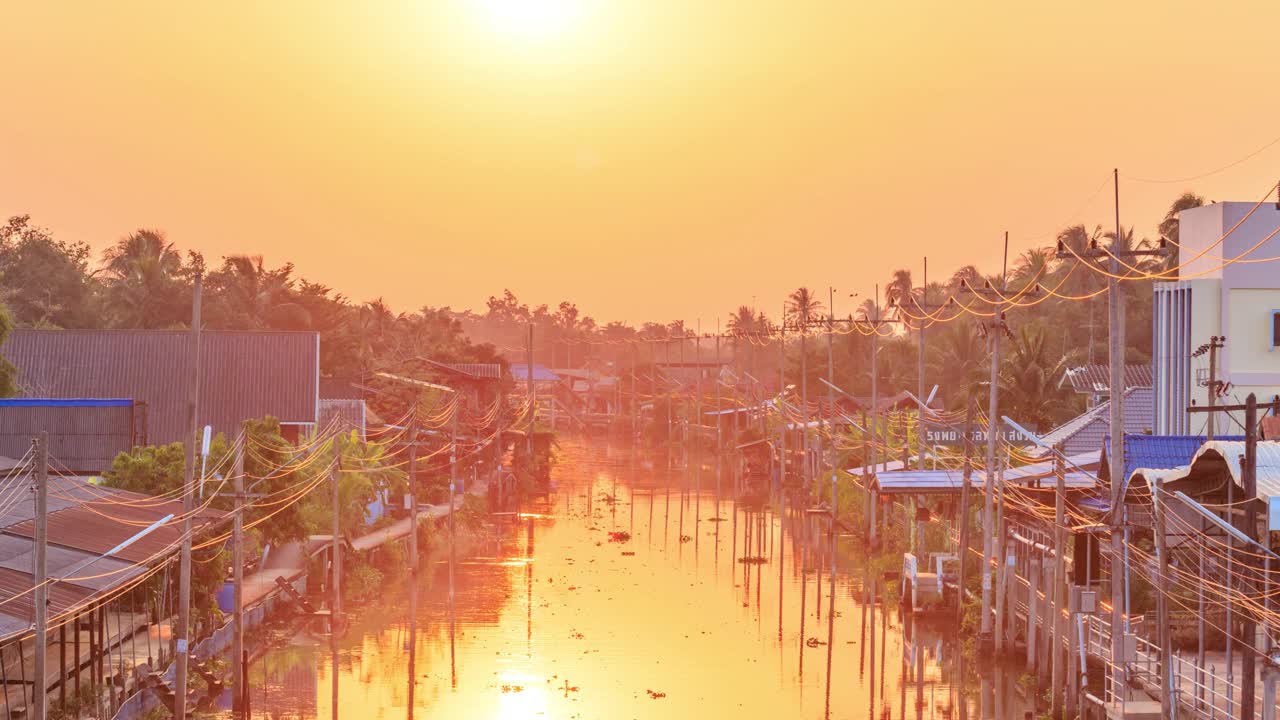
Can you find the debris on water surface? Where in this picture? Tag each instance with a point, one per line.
(569, 688)
(753, 560)
(655, 694)
(685, 538)
(716, 519)
(608, 499)
(512, 688)
(628, 553)
(576, 635)
(814, 642)
(619, 536)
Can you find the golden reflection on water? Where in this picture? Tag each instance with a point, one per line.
(556, 621)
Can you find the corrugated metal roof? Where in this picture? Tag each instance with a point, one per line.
(479, 371)
(343, 416)
(341, 388)
(244, 375)
(14, 586)
(82, 438)
(520, 372)
(72, 566)
(1085, 432)
(1159, 451)
(1232, 453)
(925, 482)
(1096, 379)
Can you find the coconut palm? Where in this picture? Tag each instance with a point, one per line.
(141, 278)
(1030, 377)
(898, 289)
(967, 275)
(804, 309)
(1170, 227)
(250, 296)
(743, 327)
(1033, 265)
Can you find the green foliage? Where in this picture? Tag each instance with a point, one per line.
(361, 582)
(8, 373)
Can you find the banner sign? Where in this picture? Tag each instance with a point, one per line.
(953, 435)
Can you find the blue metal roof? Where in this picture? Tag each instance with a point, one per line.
(65, 402)
(1160, 451)
(520, 371)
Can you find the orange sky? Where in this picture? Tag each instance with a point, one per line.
(651, 159)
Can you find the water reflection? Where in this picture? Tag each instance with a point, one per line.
(554, 618)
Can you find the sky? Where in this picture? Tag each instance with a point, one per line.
(645, 159)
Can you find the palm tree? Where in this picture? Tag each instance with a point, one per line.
(141, 281)
(957, 359)
(1033, 265)
(743, 327)
(804, 309)
(1030, 377)
(1170, 226)
(966, 275)
(251, 296)
(898, 289)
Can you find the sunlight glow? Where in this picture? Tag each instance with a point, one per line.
(530, 20)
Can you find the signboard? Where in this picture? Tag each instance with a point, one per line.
(953, 435)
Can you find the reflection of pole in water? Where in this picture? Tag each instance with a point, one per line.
(804, 595)
(413, 636)
(528, 590)
(333, 672)
(884, 636)
(871, 607)
(919, 676)
(831, 614)
(782, 559)
(862, 639)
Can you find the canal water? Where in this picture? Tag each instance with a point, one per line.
(632, 592)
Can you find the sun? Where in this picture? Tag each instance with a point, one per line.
(529, 20)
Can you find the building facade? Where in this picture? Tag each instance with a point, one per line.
(1223, 288)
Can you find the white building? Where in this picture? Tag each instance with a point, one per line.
(1226, 288)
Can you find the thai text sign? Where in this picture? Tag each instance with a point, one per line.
(953, 435)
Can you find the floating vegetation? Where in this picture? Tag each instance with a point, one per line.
(512, 688)
(655, 694)
(619, 536)
(814, 642)
(753, 560)
(685, 538)
(628, 553)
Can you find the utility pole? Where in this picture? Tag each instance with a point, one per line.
(997, 327)
(831, 405)
(782, 391)
(181, 633)
(238, 679)
(533, 399)
(1212, 347)
(41, 574)
(413, 492)
(335, 603)
(967, 480)
(1163, 636)
(1116, 352)
(719, 418)
(1059, 585)
(1249, 626)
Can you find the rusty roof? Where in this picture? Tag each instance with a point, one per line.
(243, 375)
(15, 587)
